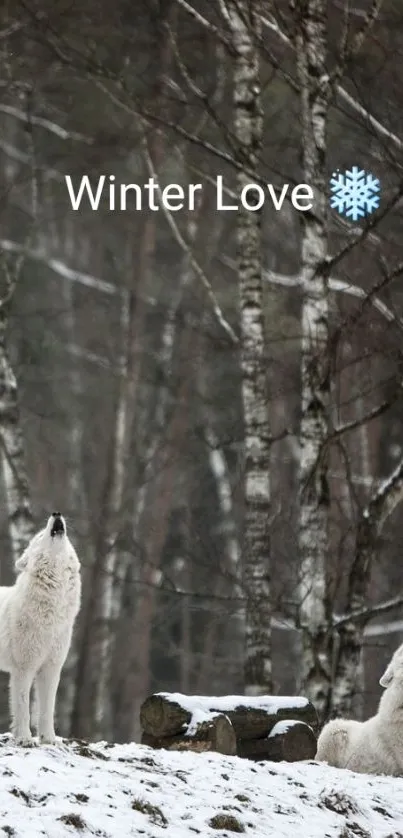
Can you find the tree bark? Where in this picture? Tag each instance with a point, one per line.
(244, 22)
(162, 714)
(216, 732)
(290, 741)
(311, 24)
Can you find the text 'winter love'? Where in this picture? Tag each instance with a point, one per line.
(106, 193)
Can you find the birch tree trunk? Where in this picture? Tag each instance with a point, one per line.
(20, 521)
(243, 20)
(351, 628)
(310, 19)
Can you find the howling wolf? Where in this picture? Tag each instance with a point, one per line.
(37, 616)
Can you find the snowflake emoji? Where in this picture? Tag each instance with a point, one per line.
(355, 193)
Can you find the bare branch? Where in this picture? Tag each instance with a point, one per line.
(375, 124)
(51, 126)
(386, 498)
(204, 22)
(186, 249)
(337, 285)
(361, 420)
(59, 267)
(369, 613)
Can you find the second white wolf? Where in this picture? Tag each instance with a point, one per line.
(376, 745)
(37, 615)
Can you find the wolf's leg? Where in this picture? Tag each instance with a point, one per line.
(20, 685)
(34, 708)
(47, 681)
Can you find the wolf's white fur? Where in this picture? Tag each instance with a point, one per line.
(376, 745)
(36, 621)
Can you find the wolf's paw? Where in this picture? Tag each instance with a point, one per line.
(25, 741)
(49, 739)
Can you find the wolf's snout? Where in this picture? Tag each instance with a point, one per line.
(58, 524)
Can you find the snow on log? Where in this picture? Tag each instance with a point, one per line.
(289, 740)
(169, 714)
(206, 732)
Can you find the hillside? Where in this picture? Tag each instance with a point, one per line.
(130, 790)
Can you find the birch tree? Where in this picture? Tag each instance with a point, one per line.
(311, 38)
(16, 487)
(243, 22)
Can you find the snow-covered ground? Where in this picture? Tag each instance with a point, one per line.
(130, 790)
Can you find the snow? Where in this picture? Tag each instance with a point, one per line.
(282, 726)
(118, 791)
(228, 703)
(198, 717)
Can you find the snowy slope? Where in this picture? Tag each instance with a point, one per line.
(130, 790)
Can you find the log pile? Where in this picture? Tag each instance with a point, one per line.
(262, 728)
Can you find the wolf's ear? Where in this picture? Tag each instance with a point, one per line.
(387, 677)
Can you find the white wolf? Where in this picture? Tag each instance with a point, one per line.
(376, 745)
(37, 615)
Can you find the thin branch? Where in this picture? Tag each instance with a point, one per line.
(22, 157)
(337, 285)
(368, 613)
(350, 52)
(377, 126)
(53, 127)
(361, 420)
(186, 249)
(369, 119)
(204, 22)
(59, 267)
(331, 261)
(16, 26)
(386, 498)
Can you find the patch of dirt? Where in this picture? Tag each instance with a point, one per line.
(354, 830)
(19, 793)
(81, 798)
(73, 820)
(338, 802)
(154, 812)
(382, 811)
(223, 821)
(9, 830)
(85, 751)
(180, 775)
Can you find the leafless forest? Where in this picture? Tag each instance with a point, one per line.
(212, 398)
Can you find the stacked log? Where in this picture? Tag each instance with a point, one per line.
(213, 733)
(266, 727)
